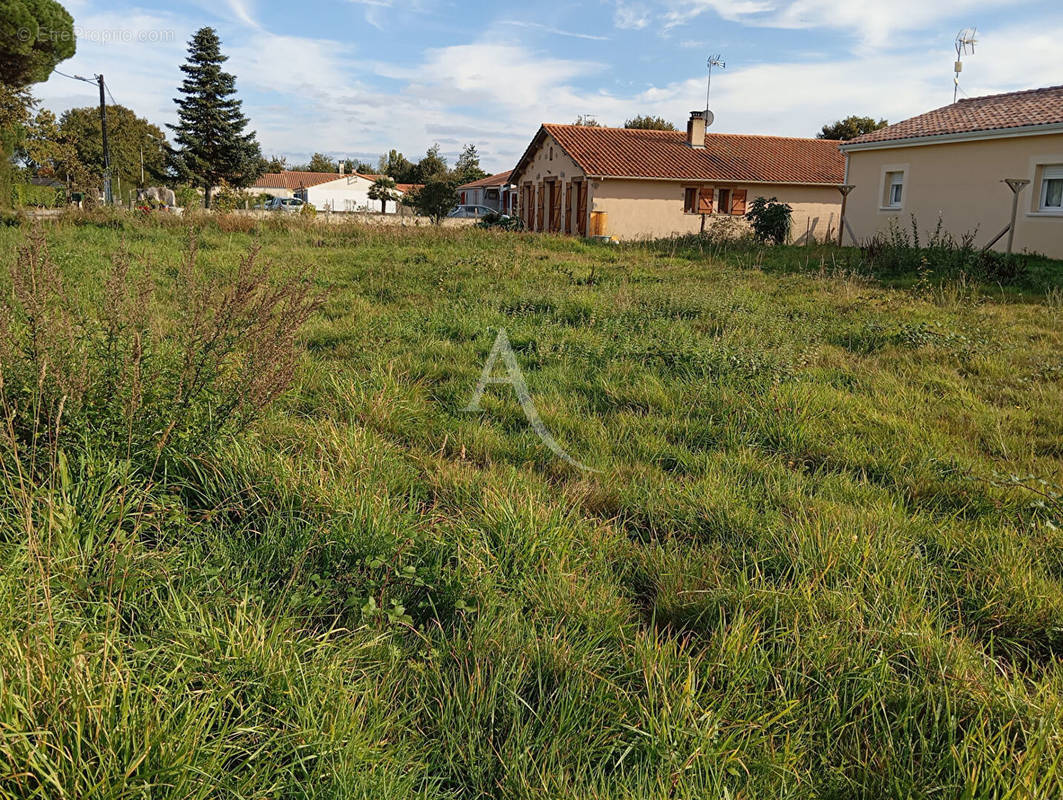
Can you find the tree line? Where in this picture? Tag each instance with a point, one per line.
(432, 166)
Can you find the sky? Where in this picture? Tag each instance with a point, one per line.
(355, 78)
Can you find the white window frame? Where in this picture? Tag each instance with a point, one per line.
(885, 184)
(1049, 172)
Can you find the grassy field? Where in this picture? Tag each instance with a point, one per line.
(821, 555)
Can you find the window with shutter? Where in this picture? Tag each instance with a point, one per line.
(1052, 188)
(705, 200)
(723, 201)
(738, 202)
(690, 200)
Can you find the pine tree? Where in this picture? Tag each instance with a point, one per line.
(211, 144)
(467, 169)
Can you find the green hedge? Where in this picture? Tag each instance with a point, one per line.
(26, 194)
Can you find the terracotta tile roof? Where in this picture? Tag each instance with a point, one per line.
(501, 179)
(294, 180)
(992, 112)
(624, 152)
(402, 187)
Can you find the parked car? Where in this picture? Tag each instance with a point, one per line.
(292, 205)
(470, 212)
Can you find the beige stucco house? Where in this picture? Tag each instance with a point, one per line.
(640, 184)
(951, 164)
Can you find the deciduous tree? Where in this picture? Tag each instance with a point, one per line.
(430, 168)
(130, 139)
(647, 123)
(435, 199)
(850, 128)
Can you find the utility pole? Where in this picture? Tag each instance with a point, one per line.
(108, 198)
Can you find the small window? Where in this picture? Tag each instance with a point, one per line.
(690, 200)
(1052, 188)
(894, 189)
(723, 203)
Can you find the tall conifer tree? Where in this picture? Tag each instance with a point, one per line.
(209, 134)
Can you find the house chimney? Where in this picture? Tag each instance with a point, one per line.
(696, 130)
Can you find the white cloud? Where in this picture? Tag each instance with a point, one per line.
(871, 22)
(632, 16)
(241, 10)
(548, 29)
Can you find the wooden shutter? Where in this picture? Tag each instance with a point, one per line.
(581, 208)
(555, 206)
(738, 202)
(540, 208)
(705, 200)
(568, 207)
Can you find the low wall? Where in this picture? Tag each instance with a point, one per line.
(363, 218)
(321, 217)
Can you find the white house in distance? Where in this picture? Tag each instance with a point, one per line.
(325, 191)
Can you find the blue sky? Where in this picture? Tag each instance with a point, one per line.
(358, 77)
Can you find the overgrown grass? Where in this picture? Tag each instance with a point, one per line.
(822, 554)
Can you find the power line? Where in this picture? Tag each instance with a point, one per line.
(72, 77)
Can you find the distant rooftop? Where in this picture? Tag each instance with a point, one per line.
(989, 113)
(500, 179)
(637, 153)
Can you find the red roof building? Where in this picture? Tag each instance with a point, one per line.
(631, 183)
(967, 165)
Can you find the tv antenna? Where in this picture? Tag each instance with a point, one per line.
(965, 40)
(713, 61)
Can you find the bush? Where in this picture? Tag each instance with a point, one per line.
(897, 251)
(76, 375)
(226, 200)
(187, 197)
(770, 220)
(496, 219)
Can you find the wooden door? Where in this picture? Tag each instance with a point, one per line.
(528, 206)
(581, 208)
(555, 206)
(568, 207)
(540, 216)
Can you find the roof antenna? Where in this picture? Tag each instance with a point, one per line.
(714, 61)
(964, 39)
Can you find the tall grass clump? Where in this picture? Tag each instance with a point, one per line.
(942, 256)
(104, 373)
